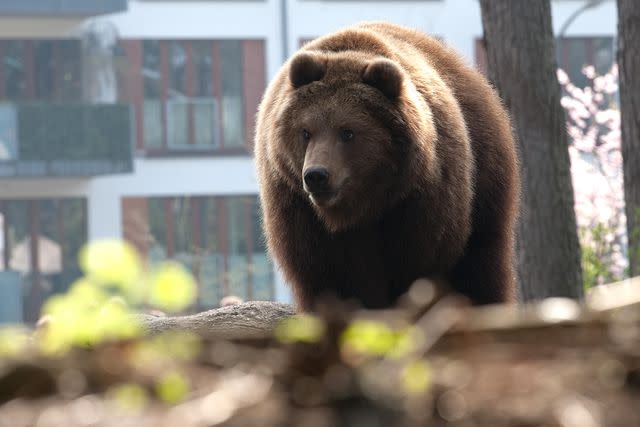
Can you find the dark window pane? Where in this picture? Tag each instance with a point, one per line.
(17, 228)
(177, 69)
(62, 231)
(158, 229)
(152, 107)
(74, 228)
(603, 54)
(204, 105)
(68, 70)
(151, 69)
(262, 268)
(3, 243)
(15, 73)
(237, 274)
(203, 66)
(575, 53)
(576, 60)
(18, 251)
(182, 225)
(178, 103)
(235, 214)
(49, 212)
(209, 224)
(212, 261)
(259, 242)
(8, 132)
(232, 108)
(44, 69)
(183, 251)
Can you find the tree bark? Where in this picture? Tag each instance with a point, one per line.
(522, 66)
(629, 70)
(250, 320)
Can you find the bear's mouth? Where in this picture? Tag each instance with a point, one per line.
(324, 198)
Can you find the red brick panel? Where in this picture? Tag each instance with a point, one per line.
(134, 89)
(254, 82)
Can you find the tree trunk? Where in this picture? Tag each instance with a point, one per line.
(522, 66)
(629, 69)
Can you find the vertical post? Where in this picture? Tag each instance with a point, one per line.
(216, 70)
(135, 86)
(190, 89)
(248, 236)
(169, 221)
(29, 63)
(5, 234)
(164, 91)
(223, 240)
(2, 49)
(196, 241)
(36, 292)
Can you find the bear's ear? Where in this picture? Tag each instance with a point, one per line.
(385, 76)
(306, 68)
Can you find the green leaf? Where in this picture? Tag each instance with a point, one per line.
(173, 387)
(111, 262)
(301, 328)
(173, 288)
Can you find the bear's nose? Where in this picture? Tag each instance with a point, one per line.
(317, 179)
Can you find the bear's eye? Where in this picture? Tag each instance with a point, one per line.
(306, 135)
(346, 135)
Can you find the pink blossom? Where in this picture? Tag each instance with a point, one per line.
(593, 125)
(589, 71)
(563, 78)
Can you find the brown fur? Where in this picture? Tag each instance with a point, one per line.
(423, 177)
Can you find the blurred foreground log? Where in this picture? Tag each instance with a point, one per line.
(257, 319)
(556, 363)
(250, 320)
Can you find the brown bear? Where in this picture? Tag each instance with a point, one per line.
(383, 158)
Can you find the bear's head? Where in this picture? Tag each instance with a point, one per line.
(350, 125)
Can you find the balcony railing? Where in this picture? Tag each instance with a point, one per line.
(38, 140)
(61, 7)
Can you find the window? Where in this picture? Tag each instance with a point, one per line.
(574, 53)
(218, 238)
(41, 70)
(40, 240)
(198, 95)
(231, 58)
(8, 133)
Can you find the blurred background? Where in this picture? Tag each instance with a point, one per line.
(134, 119)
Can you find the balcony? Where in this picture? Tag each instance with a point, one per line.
(65, 140)
(61, 8)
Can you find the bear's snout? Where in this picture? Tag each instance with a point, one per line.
(316, 179)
